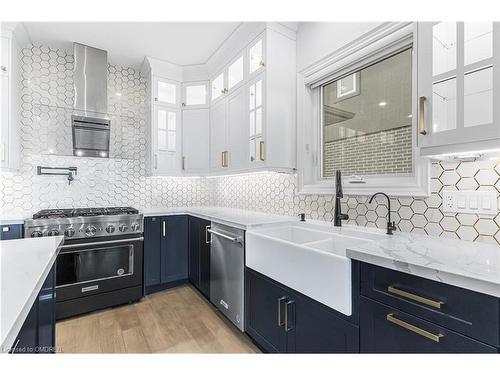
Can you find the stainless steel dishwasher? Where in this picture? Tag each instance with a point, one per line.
(227, 257)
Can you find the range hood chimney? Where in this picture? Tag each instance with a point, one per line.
(90, 77)
(90, 122)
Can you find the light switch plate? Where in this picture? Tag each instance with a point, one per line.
(471, 202)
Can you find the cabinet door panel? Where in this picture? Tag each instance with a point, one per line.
(167, 141)
(194, 251)
(174, 249)
(195, 140)
(47, 314)
(11, 232)
(204, 257)
(262, 312)
(152, 251)
(217, 134)
(237, 104)
(27, 339)
(318, 330)
(387, 330)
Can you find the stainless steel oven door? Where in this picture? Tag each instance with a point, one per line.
(87, 268)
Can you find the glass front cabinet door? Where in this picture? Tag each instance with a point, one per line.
(459, 86)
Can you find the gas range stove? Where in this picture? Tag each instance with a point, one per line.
(84, 222)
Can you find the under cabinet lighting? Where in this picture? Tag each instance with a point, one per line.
(382, 104)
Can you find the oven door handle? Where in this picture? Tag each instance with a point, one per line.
(102, 243)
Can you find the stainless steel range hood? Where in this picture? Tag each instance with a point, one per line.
(90, 122)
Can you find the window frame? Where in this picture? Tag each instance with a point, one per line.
(378, 45)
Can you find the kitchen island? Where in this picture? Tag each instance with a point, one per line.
(25, 264)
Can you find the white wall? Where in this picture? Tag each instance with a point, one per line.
(315, 40)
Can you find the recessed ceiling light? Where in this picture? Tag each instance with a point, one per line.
(382, 104)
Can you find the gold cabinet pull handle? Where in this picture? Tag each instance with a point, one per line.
(261, 150)
(183, 163)
(421, 117)
(156, 99)
(414, 297)
(206, 234)
(280, 300)
(222, 158)
(156, 161)
(410, 327)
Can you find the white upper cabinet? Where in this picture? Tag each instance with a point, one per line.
(195, 95)
(459, 84)
(195, 140)
(218, 149)
(256, 127)
(10, 95)
(237, 139)
(167, 140)
(166, 91)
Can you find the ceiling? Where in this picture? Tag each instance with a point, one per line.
(128, 43)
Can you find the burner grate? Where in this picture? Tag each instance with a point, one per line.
(79, 212)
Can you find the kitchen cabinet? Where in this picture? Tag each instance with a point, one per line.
(11, 231)
(167, 141)
(218, 150)
(282, 320)
(10, 95)
(458, 85)
(37, 334)
(166, 91)
(199, 255)
(388, 330)
(165, 252)
(253, 122)
(195, 141)
(402, 313)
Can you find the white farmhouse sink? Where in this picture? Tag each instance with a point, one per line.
(310, 259)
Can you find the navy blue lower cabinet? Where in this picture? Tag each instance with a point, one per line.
(199, 255)
(11, 232)
(37, 335)
(165, 252)
(152, 251)
(384, 329)
(47, 314)
(174, 252)
(281, 320)
(264, 312)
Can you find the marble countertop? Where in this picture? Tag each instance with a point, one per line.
(24, 266)
(469, 265)
(241, 219)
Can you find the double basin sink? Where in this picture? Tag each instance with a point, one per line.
(310, 258)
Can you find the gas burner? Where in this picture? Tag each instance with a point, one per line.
(85, 222)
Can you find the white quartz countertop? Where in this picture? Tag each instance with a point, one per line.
(470, 265)
(242, 219)
(24, 266)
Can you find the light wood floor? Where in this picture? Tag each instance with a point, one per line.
(178, 320)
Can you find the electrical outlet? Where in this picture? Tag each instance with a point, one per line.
(472, 202)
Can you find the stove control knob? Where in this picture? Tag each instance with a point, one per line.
(135, 227)
(90, 231)
(36, 233)
(110, 228)
(70, 232)
(123, 227)
(53, 232)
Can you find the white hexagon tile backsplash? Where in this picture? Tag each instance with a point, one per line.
(47, 98)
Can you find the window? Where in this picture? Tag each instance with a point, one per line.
(255, 57)
(167, 130)
(367, 120)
